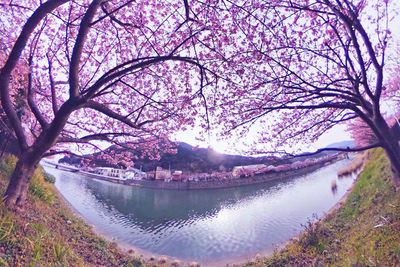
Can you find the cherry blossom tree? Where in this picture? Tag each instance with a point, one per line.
(131, 72)
(122, 72)
(306, 66)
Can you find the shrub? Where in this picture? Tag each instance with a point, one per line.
(314, 234)
(49, 178)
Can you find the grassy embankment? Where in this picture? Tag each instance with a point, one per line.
(365, 231)
(46, 233)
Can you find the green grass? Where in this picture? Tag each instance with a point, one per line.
(40, 188)
(363, 232)
(47, 233)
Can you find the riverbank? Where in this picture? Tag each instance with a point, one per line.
(47, 233)
(203, 225)
(362, 232)
(214, 182)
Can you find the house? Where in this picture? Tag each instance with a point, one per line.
(162, 174)
(177, 176)
(111, 172)
(248, 170)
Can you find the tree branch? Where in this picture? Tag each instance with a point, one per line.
(108, 112)
(12, 61)
(52, 87)
(78, 48)
(347, 149)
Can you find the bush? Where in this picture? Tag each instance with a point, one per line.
(49, 178)
(314, 234)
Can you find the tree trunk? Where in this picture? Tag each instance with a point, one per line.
(390, 143)
(17, 189)
(393, 153)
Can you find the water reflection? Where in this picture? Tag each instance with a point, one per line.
(203, 225)
(150, 207)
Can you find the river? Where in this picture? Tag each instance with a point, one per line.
(207, 226)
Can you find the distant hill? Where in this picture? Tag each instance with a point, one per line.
(187, 158)
(193, 159)
(305, 155)
(342, 144)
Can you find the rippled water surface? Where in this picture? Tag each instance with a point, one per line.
(204, 225)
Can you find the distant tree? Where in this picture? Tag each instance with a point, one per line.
(306, 66)
(122, 72)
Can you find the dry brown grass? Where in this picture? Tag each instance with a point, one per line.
(354, 166)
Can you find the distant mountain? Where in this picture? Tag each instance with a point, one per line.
(342, 144)
(305, 155)
(187, 158)
(194, 159)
